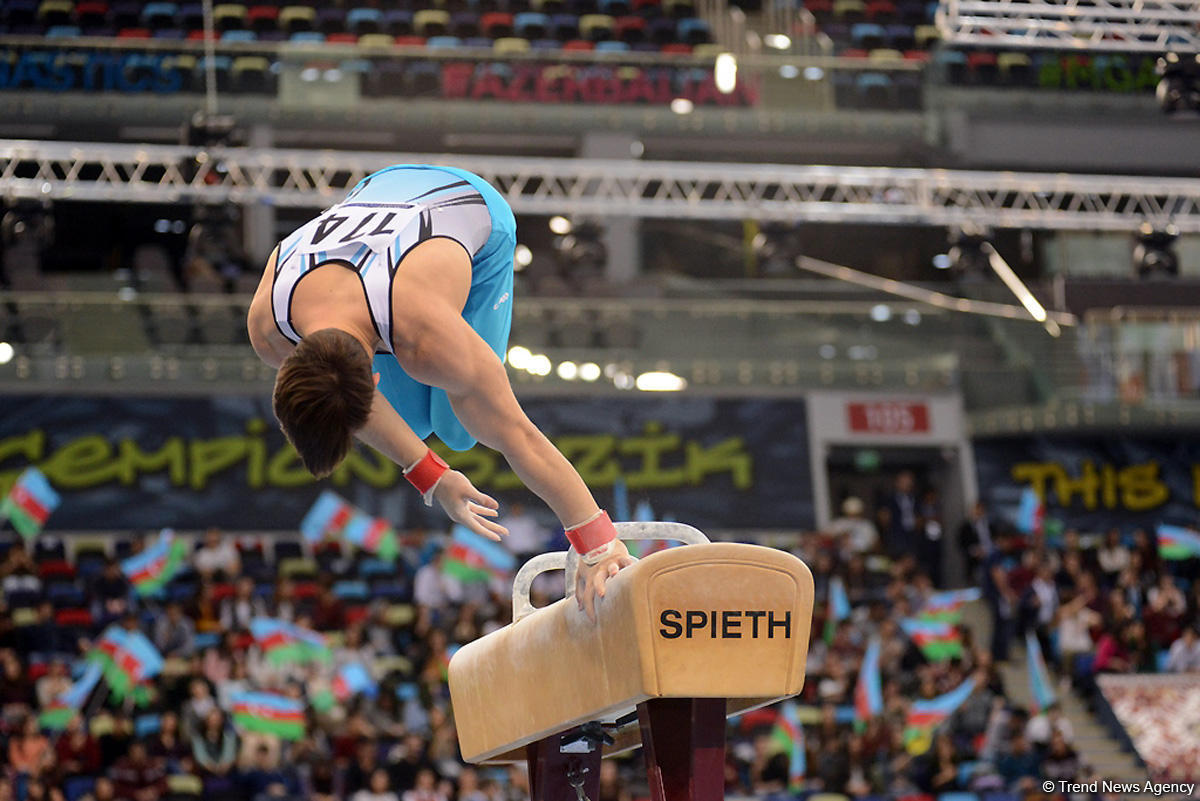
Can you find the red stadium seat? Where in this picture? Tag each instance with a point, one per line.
(91, 13)
(630, 29)
(881, 11)
(56, 569)
(134, 33)
(677, 48)
(579, 44)
(194, 36)
(854, 53)
(306, 589)
(496, 24)
(410, 41)
(342, 38)
(37, 670)
(647, 8)
(222, 591)
(73, 617)
(357, 614)
(261, 19)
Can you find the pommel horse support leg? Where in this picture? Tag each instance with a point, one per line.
(684, 638)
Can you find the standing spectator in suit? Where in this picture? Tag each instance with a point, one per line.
(929, 536)
(902, 536)
(975, 538)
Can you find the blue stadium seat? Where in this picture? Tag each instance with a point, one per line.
(464, 24)
(331, 20)
(875, 88)
(368, 568)
(63, 32)
(20, 12)
(146, 725)
(390, 590)
(398, 22)
(351, 590)
(64, 595)
(76, 787)
(693, 31)
(435, 42)
(531, 25)
(564, 27)
(546, 44)
(239, 36)
(900, 36)
(612, 47)
(170, 34)
(207, 639)
(159, 15)
(478, 41)
(958, 797)
(952, 62)
(867, 35)
(360, 21)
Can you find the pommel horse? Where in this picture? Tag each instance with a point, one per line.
(683, 638)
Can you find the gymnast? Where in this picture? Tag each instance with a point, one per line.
(403, 336)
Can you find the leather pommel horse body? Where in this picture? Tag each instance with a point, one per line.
(683, 638)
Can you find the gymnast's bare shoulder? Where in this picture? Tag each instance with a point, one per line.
(268, 343)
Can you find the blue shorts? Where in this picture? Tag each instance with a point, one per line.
(488, 309)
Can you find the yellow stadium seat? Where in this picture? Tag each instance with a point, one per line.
(431, 22)
(376, 40)
(510, 44)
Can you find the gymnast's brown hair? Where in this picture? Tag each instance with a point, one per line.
(323, 395)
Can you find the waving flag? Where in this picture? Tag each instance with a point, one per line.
(352, 679)
(286, 643)
(946, 607)
(838, 608)
(58, 714)
(474, 558)
(924, 716)
(1030, 512)
(938, 641)
(126, 659)
(788, 738)
(29, 503)
(269, 713)
(149, 570)
(1176, 542)
(868, 692)
(1039, 679)
(332, 516)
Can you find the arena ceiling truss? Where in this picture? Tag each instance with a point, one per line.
(1127, 26)
(54, 171)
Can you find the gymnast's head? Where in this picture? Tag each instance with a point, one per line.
(323, 394)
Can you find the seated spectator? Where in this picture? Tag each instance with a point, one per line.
(470, 788)
(265, 777)
(1184, 654)
(168, 744)
(1041, 727)
(425, 789)
(197, 707)
(380, 789)
(39, 790)
(1018, 761)
(526, 536)
(329, 613)
(215, 746)
(29, 752)
(1166, 607)
(1113, 556)
(103, 790)
(139, 776)
(77, 751)
(111, 591)
(238, 611)
(856, 534)
(412, 761)
(1061, 763)
(16, 689)
(174, 633)
(204, 611)
(218, 557)
(56, 682)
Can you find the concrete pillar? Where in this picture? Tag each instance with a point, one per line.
(622, 234)
(258, 219)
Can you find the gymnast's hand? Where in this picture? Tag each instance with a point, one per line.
(590, 580)
(467, 505)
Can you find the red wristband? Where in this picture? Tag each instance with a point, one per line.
(593, 536)
(425, 473)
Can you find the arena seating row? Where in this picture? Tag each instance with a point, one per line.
(643, 21)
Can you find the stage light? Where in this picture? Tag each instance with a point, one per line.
(881, 313)
(789, 71)
(568, 371)
(814, 73)
(589, 371)
(725, 73)
(560, 225)
(519, 356)
(539, 364)
(7, 352)
(660, 381)
(778, 41)
(522, 257)
(942, 262)
(681, 105)
(1154, 253)
(912, 317)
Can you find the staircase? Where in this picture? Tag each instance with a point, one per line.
(1099, 751)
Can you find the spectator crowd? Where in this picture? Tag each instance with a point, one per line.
(1108, 606)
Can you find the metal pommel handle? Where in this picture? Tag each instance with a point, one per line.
(569, 560)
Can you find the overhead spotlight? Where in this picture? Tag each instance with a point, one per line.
(660, 381)
(560, 225)
(539, 364)
(1154, 251)
(1179, 82)
(522, 257)
(778, 41)
(589, 371)
(519, 356)
(7, 352)
(789, 71)
(725, 73)
(567, 371)
(881, 312)
(966, 254)
(681, 105)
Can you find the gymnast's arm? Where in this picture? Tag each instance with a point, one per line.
(385, 431)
